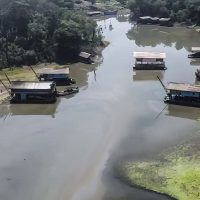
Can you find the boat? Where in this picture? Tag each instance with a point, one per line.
(183, 94)
(68, 91)
(110, 12)
(149, 61)
(195, 52)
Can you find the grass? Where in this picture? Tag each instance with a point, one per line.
(175, 172)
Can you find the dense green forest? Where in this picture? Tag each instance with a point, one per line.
(33, 31)
(178, 10)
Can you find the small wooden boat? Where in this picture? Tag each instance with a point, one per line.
(68, 91)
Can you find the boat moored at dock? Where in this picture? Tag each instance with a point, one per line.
(183, 94)
(32, 92)
(149, 61)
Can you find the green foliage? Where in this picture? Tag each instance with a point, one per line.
(181, 10)
(38, 31)
(175, 172)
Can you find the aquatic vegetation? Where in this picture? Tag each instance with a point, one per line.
(175, 172)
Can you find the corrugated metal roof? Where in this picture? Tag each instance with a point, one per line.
(53, 71)
(183, 87)
(149, 55)
(195, 49)
(84, 54)
(46, 85)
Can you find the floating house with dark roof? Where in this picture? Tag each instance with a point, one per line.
(149, 61)
(59, 76)
(32, 92)
(183, 94)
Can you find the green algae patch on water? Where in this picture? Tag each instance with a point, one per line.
(175, 172)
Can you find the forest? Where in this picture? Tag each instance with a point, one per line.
(178, 10)
(33, 31)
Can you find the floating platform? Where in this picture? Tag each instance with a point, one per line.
(59, 76)
(32, 92)
(149, 61)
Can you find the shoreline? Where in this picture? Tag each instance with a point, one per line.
(175, 173)
(129, 183)
(25, 73)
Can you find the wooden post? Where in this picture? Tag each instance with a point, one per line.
(7, 78)
(162, 84)
(5, 86)
(34, 73)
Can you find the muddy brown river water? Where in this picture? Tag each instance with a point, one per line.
(67, 151)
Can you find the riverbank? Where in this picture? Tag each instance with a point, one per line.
(175, 172)
(26, 74)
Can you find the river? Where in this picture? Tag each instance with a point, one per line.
(68, 150)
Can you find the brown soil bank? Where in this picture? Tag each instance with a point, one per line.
(175, 172)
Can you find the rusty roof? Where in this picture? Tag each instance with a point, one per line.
(149, 55)
(84, 54)
(53, 71)
(23, 85)
(186, 87)
(195, 49)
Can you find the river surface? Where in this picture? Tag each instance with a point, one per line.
(68, 150)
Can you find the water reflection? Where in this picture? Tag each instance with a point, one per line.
(7, 109)
(183, 112)
(153, 35)
(147, 75)
(195, 62)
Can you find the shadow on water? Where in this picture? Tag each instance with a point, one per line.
(8, 110)
(183, 112)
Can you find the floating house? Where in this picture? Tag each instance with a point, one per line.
(85, 57)
(149, 61)
(155, 20)
(33, 92)
(183, 94)
(59, 76)
(195, 52)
